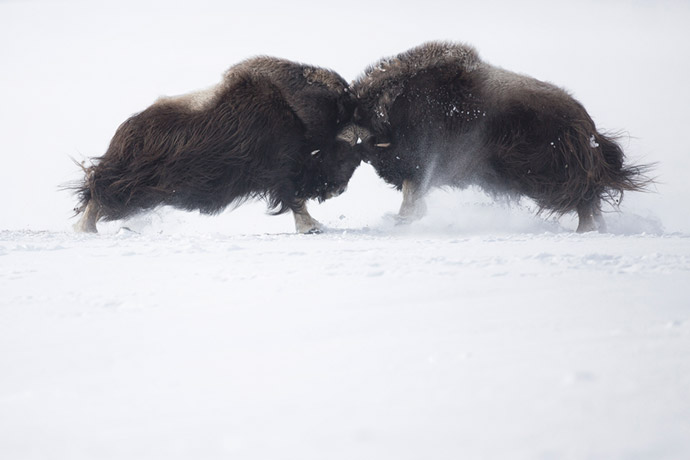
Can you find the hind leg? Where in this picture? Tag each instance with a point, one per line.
(413, 206)
(590, 218)
(87, 223)
(599, 220)
(304, 222)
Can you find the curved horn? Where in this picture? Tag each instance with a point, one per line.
(363, 133)
(353, 134)
(348, 134)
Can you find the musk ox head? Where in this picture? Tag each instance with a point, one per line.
(329, 171)
(332, 158)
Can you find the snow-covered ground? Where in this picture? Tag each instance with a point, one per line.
(481, 331)
(353, 344)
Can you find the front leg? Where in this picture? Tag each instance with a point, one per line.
(87, 223)
(413, 206)
(305, 223)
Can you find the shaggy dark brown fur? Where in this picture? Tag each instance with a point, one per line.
(268, 130)
(437, 115)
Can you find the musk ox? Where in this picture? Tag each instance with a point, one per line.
(437, 115)
(268, 130)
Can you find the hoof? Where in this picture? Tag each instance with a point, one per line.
(590, 220)
(408, 218)
(586, 226)
(310, 227)
(85, 227)
(404, 220)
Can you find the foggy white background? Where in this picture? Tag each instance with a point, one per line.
(481, 331)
